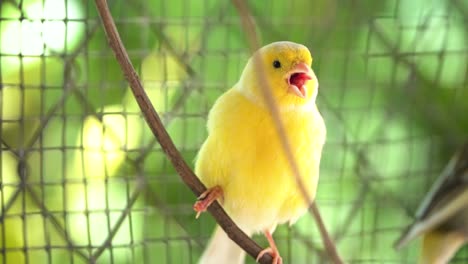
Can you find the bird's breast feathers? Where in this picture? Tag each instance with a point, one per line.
(243, 154)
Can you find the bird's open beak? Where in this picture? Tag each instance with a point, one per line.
(297, 79)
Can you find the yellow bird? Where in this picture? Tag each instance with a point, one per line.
(242, 161)
(442, 218)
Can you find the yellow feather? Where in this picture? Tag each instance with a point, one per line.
(243, 154)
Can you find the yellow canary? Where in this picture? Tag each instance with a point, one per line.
(242, 161)
(442, 218)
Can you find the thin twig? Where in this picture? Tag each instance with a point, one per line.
(249, 27)
(156, 126)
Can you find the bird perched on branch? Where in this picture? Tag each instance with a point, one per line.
(442, 218)
(242, 161)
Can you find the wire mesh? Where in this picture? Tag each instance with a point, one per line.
(84, 181)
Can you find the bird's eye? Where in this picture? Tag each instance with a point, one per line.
(277, 64)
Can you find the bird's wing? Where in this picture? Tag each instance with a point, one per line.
(448, 195)
(454, 176)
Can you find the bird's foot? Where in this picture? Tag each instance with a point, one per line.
(206, 199)
(274, 253)
(272, 250)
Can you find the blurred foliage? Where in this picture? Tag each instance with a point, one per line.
(82, 175)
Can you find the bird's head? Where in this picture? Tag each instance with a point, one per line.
(286, 66)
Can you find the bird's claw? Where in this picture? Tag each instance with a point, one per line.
(275, 254)
(206, 199)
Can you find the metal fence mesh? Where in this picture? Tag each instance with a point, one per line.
(83, 180)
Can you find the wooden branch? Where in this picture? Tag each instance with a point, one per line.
(248, 24)
(156, 126)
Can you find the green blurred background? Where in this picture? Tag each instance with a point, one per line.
(83, 180)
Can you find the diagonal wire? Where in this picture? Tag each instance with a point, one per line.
(108, 242)
(163, 208)
(6, 206)
(56, 223)
(449, 127)
(353, 211)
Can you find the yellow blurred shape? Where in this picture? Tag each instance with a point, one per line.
(105, 143)
(102, 149)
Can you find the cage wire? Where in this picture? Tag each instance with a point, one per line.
(84, 181)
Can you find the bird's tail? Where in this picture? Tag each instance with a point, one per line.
(222, 249)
